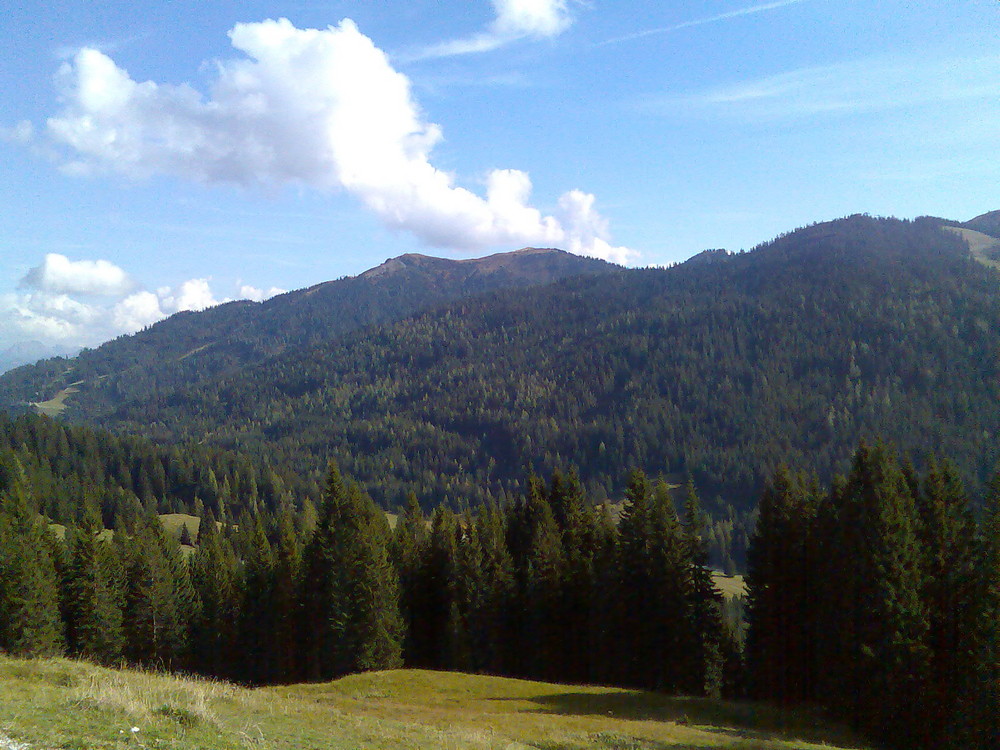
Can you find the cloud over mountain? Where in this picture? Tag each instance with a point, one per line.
(322, 108)
(74, 303)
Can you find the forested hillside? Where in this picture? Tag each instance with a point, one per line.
(189, 347)
(721, 371)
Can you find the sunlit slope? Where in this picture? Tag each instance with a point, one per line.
(60, 703)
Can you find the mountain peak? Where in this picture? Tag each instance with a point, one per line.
(545, 263)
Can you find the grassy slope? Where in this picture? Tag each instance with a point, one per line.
(50, 703)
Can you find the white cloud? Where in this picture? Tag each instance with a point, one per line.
(259, 295)
(194, 294)
(137, 311)
(60, 275)
(323, 108)
(54, 312)
(515, 19)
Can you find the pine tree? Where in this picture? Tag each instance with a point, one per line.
(30, 622)
(974, 723)
(286, 572)
(408, 548)
(536, 550)
(705, 666)
(351, 592)
(255, 659)
(875, 656)
(947, 537)
(780, 593)
(658, 618)
(92, 610)
(490, 630)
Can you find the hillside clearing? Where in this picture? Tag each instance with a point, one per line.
(48, 703)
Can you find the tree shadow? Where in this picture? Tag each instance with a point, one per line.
(737, 719)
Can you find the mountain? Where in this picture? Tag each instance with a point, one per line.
(988, 223)
(193, 347)
(26, 352)
(721, 371)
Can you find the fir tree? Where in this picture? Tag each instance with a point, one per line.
(351, 592)
(92, 610)
(781, 594)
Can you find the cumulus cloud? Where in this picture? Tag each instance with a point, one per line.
(60, 275)
(58, 313)
(323, 108)
(515, 19)
(259, 295)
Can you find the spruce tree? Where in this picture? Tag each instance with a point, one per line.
(30, 622)
(350, 589)
(705, 659)
(780, 594)
(92, 610)
(875, 625)
(408, 548)
(974, 723)
(947, 537)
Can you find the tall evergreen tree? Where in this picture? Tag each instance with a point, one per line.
(408, 548)
(705, 658)
(29, 596)
(92, 610)
(781, 592)
(351, 591)
(875, 659)
(947, 537)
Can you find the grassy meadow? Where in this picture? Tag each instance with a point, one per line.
(59, 703)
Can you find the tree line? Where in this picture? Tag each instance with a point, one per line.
(548, 587)
(878, 599)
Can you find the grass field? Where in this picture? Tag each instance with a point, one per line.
(980, 245)
(57, 703)
(57, 404)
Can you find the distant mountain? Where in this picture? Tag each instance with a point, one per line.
(191, 347)
(27, 352)
(988, 223)
(721, 370)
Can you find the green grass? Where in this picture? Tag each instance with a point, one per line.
(57, 703)
(57, 404)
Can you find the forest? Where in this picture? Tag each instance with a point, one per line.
(721, 371)
(878, 598)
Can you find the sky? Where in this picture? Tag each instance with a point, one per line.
(166, 156)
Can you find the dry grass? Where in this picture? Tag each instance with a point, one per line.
(50, 703)
(979, 245)
(57, 404)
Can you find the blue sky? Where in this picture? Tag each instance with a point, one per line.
(164, 156)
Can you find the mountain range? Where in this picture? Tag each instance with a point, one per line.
(452, 379)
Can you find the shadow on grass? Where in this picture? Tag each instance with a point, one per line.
(741, 720)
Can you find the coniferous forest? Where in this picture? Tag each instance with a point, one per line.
(568, 457)
(876, 598)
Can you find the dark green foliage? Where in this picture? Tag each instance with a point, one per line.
(947, 537)
(158, 599)
(975, 722)
(781, 600)
(722, 371)
(350, 589)
(535, 544)
(217, 584)
(91, 605)
(71, 468)
(876, 659)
